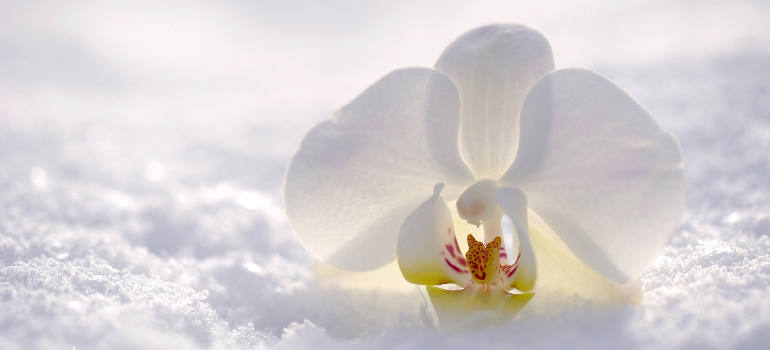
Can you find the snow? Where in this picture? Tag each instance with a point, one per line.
(142, 154)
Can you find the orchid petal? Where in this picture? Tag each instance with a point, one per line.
(599, 171)
(357, 176)
(427, 250)
(494, 67)
(565, 282)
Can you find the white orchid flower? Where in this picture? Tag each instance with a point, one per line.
(496, 131)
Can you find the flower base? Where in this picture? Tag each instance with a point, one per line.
(474, 308)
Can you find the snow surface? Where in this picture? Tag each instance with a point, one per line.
(143, 146)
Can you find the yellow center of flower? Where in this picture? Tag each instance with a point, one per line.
(484, 261)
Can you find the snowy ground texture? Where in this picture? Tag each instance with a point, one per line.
(142, 150)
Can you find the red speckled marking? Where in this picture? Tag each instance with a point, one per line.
(503, 254)
(457, 269)
(454, 251)
(479, 257)
(476, 256)
(452, 256)
(450, 249)
(511, 269)
(460, 257)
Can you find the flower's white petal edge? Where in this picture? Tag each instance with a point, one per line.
(494, 67)
(357, 176)
(523, 272)
(427, 250)
(599, 170)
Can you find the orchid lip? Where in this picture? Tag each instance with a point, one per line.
(430, 228)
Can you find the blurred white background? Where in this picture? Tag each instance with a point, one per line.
(143, 146)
